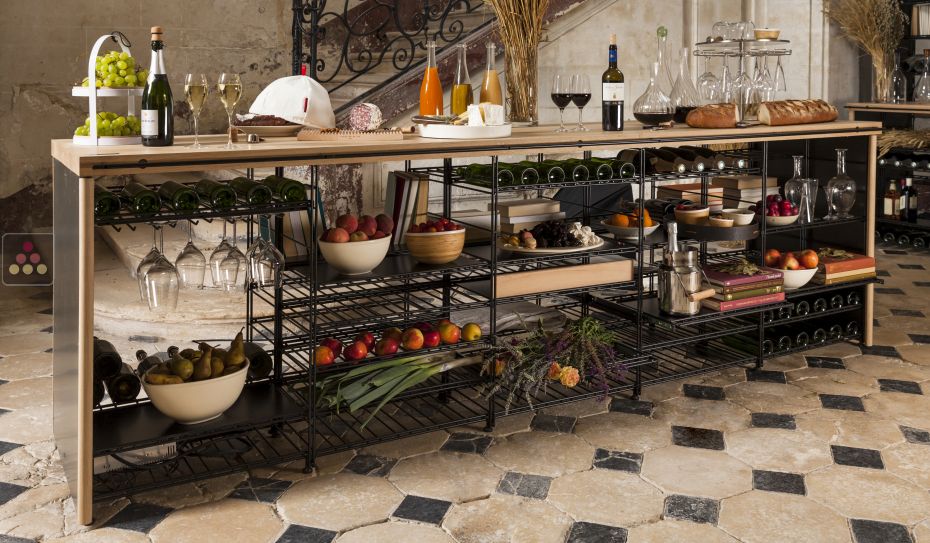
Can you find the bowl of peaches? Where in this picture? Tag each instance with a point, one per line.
(625, 226)
(796, 268)
(357, 245)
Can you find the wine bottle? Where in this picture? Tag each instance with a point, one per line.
(904, 200)
(547, 173)
(252, 192)
(146, 362)
(696, 163)
(890, 202)
(600, 169)
(820, 305)
(768, 316)
(481, 174)
(802, 308)
(910, 213)
(612, 91)
(835, 331)
(818, 336)
(140, 199)
(784, 313)
(720, 161)
(853, 298)
(124, 387)
(286, 190)
(573, 169)
(852, 330)
(836, 301)
(105, 202)
(260, 363)
(217, 195)
(157, 117)
(107, 361)
(904, 240)
(665, 162)
(99, 391)
(782, 342)
(178, 197)
(522, 174)
(889, 237)
(920, 241)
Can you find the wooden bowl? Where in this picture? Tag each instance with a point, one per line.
(435, 247)
(692, 216)
(720, 222)
(767, 33)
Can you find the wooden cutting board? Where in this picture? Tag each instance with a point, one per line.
(338, 134)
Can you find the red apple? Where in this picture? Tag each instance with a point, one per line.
(450, 333)
(378, 235)
(334, 345)
(789, 262)
(423, 326)
(356, 350)
(772, 257)
(358, 235)
(440, 322)
(385, 223)
(809, 259)
(323, 356)
(368, 224)
(386, 346)
(412, 339)
(414, 229)
(336, 235)
(367, 338)
(395, 333)
(431, 338)
(347, 222)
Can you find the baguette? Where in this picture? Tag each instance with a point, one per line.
(712, 116)
(786, 112)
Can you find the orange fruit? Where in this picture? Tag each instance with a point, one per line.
(620, 219)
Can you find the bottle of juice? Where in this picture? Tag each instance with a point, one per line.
(431, 88)
(491, 86)
(461, 89)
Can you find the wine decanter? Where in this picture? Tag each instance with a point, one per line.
(898, 81)
(922, 88)
(664, 78)
(653, 107)
(792, 187)
(841, 190)
(802, 192)
(684, 96)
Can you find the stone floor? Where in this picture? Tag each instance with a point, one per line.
(832, 446)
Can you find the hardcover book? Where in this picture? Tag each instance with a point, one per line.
(732, 305)
(718, 278)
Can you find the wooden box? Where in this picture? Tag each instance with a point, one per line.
(600, 271)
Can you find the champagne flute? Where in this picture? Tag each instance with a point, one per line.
(230, 90)
(581, 95)
(195, 91)
(561, 96)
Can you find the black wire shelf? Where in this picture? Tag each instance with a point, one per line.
(816, 224)
(923, 225)
(511, 261)
(812, 289)
(651, 311)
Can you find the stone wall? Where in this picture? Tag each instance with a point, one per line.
(44, 46)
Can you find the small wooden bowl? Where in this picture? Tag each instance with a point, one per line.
(435, 247)
(720, 222)
(767, 33)
(692, 216)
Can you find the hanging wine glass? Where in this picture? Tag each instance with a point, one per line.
(233, 266)
(190, 263)
(726, 90)
(653, 108)
(217, 257)
(708, 85)
(266, 266)
(684, 96)
(147, 262)
(162, 283)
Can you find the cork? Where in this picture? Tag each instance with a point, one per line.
(613, 39)
(156, 33)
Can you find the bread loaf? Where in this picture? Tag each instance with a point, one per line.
(785, 112)
(712, 116)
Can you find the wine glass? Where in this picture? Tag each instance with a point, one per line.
(217, 257)
(561, 96)
(233, 266)
(781, 84)
(726, 91)
(190, 263)
(195, 92)
(708, 85)
(230, 90)
(161, 282)
(147, 262)
(581, 95)
(265, 264)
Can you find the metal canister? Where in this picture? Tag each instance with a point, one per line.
(680, 277)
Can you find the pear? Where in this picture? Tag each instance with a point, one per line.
(221, 354)
(160, 379)
(236, 356)
(217, 366)
(182, 367)
(188, 353)
(203, 369)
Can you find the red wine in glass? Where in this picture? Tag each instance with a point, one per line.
(562, 99)
(581, 100)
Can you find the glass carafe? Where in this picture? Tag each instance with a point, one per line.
(431, 87)
(792, 187)
(461, 87)
(491, 85)
(664, 77)
(653, 107)
(684, 96)
(898, 88)
(922, 87)
(840, 190)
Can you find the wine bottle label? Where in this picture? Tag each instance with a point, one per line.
(149, 121)
(889, 207)
(612, 92)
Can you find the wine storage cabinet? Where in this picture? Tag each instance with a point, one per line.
(277, 420)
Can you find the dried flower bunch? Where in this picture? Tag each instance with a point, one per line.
(520, 26)
(739, 267)
(583, 351)
(877, 26)
(911, 139)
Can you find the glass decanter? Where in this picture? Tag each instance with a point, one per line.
(922, 87)
(684, 96)
(653, 107)
(664, 78)
(898, 88)
(840, 190)
(792, 187)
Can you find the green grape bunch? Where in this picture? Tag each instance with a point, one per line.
(111, 124)
(117, 70)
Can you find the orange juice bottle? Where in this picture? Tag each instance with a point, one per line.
(431, 88)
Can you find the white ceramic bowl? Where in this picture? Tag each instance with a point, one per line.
(355, 257)
(740, 216)
(781, 221)
(197, 401)
(692, 216)
(796, 278)
(629, 232)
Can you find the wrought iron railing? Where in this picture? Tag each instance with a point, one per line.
(357, 40)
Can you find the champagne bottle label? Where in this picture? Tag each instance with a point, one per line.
(612, 92)
(149, 121)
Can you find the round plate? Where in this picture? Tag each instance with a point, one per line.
(552, 250)
(629, 232)
(272, 131)
(463, 132)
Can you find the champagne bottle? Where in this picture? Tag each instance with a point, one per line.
(286, 190)
(217, 195)
(99, 391)
(252, 192)
(178, 197)
(124, 387)
(157, 117)
(107, 361)
(105, 202)
(612, 91)
(140, 199)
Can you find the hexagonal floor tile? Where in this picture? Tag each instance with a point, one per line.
(828, 381)
(541, 453)
(868, 493)
(766, 449)
(910, 462)
(882, 367)
(787, 518)
(909, 409)
(678, 531)
(606, 497)
(339, 502)
(410, 446)
(724, 416)
(922, 532)
(429, 475)
(624, 432)
(507, 518)
(392, 532)
(227, 520)
(696, 472)
(759, 396)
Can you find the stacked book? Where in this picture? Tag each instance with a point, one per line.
(743, 291)
(743, 190)
(838, 266)
(692, 193)
(517, 215)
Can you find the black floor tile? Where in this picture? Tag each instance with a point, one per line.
(894, 252)
(880, 350)
(703, 392)
(860, 458)
(882, 273)
(894, 385)
(920, 338)
(922, 283)
(525, 484)
(825, 362)
(703, 510)
(296, 533)
(777, 481)
(907, 313)
(698, 438)
(467, 443)
(3, 381)
(888, 290)
(11, 539)
(422, 509)
(138, 517)
(6, 446)
(48, 329)
(911, 267)
(46, 311)
(915, 435)
(369, 464)
(588, 532)
(553, 423)
(766, 376)
(8, 491)
(261, 489)
(846, 403)
(873, 531)
(773, 420)
(618, 460)
(635, 407)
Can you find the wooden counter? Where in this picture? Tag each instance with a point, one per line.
(907, 108)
